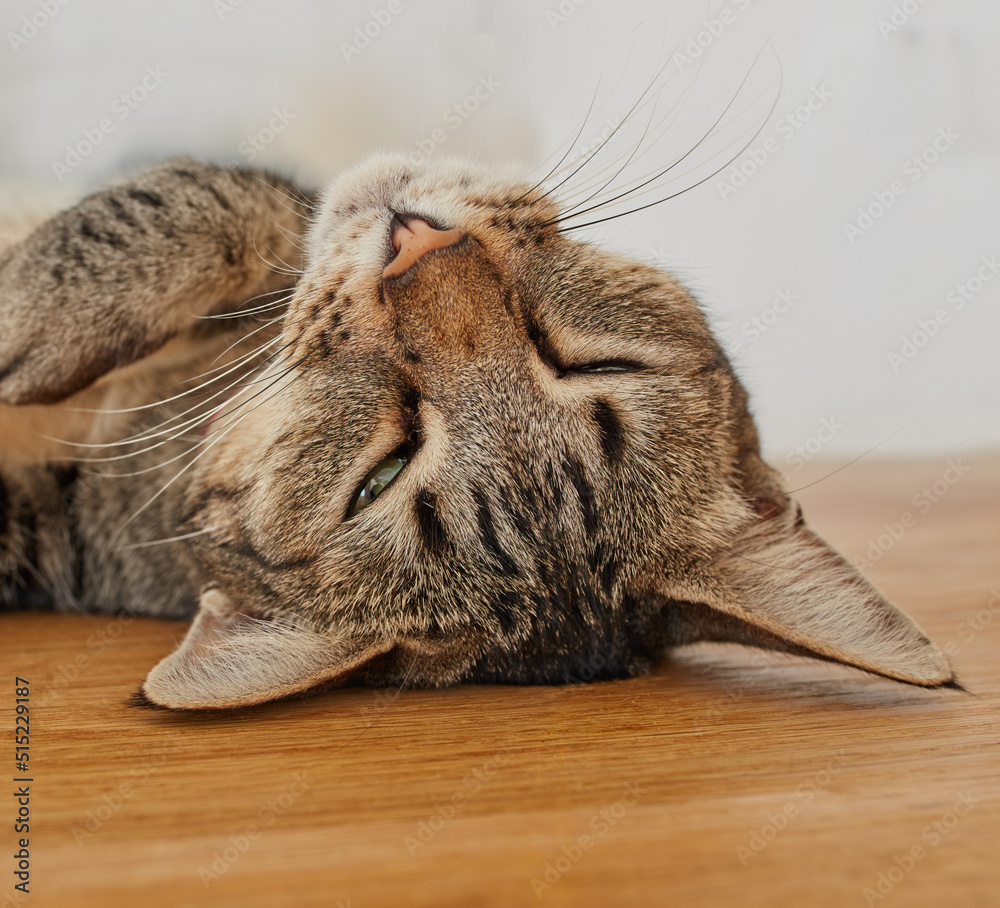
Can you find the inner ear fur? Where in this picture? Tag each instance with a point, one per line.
(781, 586)
(230, 659)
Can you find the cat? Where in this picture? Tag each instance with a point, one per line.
(407, 431)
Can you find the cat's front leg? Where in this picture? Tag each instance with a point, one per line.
(111, 280)
(89, 296)
(38, 558)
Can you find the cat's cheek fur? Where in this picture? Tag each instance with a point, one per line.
(230, 659)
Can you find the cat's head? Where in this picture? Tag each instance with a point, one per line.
(488, 451)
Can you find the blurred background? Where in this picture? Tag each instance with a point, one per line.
(840, 160)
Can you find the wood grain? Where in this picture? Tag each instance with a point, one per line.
(726, 777)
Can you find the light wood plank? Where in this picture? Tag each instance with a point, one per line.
(669, 775)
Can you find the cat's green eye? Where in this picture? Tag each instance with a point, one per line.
(376, 482)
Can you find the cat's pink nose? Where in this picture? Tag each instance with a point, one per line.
(413, 239)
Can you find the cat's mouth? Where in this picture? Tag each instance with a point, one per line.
(414, 237)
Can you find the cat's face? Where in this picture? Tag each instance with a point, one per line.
(486, 460)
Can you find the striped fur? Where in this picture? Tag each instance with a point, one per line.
(582, 489)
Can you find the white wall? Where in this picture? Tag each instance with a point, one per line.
(226, 66)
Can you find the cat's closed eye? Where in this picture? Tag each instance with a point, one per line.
(603, 367)
(563, 367)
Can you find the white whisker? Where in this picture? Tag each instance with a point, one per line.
(205, 448)
(151, 542)
(201, 409)
(652, 181)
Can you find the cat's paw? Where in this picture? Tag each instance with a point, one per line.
(112, 279)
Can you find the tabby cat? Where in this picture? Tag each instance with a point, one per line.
(408, 431)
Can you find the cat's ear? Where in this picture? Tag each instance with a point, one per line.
(781, 587)
(230, 659)
(114, 278)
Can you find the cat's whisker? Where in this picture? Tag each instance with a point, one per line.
(559, 167)
(151, 542)
(657, 184)
(591, 155)
(249, 313)
(846, 465)
(663, 126)
(561, 219)
(181, 432)
(294, 239)
(643, 98)
(204, 447)
(650, 138)
(305, 200)
(666, 198)
(176, 426)
(159, 403)
(289, 269)
(243, 339)
(621, 169)
(203, 410)
(272, 303)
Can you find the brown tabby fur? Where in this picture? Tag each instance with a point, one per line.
(556, 523)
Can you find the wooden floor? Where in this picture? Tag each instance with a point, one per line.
(724, 778)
